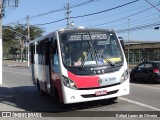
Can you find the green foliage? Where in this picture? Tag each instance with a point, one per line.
(35, 32)
(15, 36)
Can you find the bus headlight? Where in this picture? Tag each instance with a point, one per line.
(125, 76)
(68, 82)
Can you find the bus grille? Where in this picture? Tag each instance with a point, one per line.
(93, 95)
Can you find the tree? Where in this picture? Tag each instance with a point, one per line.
(8, 40)
(15, 36)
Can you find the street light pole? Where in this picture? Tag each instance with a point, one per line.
(68, 14)
(28, 37)
(1, 46)
(128, 42)
(1, 53)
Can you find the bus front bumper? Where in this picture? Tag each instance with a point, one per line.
(76, 96)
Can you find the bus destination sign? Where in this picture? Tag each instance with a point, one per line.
(87, 37)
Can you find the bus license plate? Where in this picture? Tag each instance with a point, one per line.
(98, 93)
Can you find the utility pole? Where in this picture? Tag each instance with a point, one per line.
(2, 4)
(128, 42)
(68, 14)
(1, 55)
(28, 37)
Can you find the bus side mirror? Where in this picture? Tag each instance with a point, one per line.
(122, 42)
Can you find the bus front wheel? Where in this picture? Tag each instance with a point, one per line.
(57, 99)
(42, 93)
(113, 99)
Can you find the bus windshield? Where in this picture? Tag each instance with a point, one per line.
(95, 48)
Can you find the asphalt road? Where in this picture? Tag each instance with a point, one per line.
(143, 97)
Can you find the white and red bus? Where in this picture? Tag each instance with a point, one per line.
(78, 65)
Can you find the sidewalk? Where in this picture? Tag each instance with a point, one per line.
(8, 101)
(14, 63)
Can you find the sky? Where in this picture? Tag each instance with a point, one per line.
(131, 19)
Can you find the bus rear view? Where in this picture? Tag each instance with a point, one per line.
(86, 65)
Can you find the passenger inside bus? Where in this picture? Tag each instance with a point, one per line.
(80, 56)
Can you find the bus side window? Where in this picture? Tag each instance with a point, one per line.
(55, 58)
(122, 42)
(32, 49)
(56, 64)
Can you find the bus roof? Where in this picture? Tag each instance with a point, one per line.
(67, 30)
(83, 29)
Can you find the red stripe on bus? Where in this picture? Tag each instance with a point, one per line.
(84, 81)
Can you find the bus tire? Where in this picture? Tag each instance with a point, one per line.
(41, 92)
(113, 99)
(56, 97)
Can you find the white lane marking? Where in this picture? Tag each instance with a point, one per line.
(147, 86)
(16, 72)
(140, 104)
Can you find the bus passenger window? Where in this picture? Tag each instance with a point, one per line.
(54, 57)
(56, 64)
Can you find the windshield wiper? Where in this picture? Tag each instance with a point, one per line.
(106, 59)
(93, 48)
(90, 45)
(94, 52)
(82, 64)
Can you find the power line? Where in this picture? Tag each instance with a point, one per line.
(54, 11)
(105, 10)
(138, 27)
(51, 22)
(135, 20)
(122, 17)
(84, 3)
(114, 14)
(152, 5)
(92, 13)
(61, 9)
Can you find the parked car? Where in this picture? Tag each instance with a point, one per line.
(148, 70)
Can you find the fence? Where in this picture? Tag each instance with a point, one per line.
(14, 56)
(137, 56)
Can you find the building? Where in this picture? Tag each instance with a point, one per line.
(142, 51)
